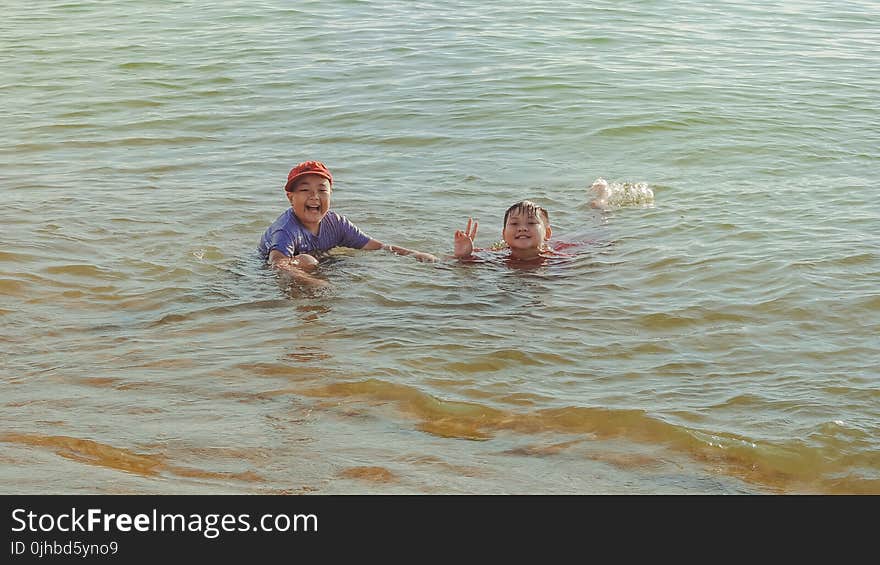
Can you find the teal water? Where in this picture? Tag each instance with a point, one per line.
(721, 339)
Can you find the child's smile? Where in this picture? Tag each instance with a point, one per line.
(310, 199)
(525, 234)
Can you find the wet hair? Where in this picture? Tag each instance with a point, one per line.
(528, 208)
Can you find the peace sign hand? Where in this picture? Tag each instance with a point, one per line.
(464, 240)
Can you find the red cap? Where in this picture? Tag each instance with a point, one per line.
(308, 168)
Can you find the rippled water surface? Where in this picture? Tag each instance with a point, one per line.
(720, 338)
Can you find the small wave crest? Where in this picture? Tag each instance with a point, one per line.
(604, 194)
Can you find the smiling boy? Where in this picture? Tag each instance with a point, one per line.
(309, 227)
(525, 233)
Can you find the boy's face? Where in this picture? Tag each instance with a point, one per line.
(525, 232)
(310, 199)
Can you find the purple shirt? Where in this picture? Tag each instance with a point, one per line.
(290, 237)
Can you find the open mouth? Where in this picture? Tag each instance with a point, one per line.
(316, 209)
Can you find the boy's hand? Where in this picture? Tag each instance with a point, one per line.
(464, 240)
(424, 257)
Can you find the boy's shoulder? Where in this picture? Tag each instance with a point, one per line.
(562, 245)
(334, 217)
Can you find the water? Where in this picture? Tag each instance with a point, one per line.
(721, 339)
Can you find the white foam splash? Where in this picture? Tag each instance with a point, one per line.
(603, 194)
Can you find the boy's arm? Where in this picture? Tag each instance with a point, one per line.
(373, 245)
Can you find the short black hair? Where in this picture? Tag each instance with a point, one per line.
(528, 208)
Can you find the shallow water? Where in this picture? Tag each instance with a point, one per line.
(721, 339)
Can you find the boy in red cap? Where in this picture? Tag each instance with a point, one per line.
(309, 228)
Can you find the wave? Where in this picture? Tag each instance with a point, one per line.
(604, 194)
(784, 466)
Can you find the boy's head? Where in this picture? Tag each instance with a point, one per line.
(307, 168)
(309, 186)
(526, 227)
